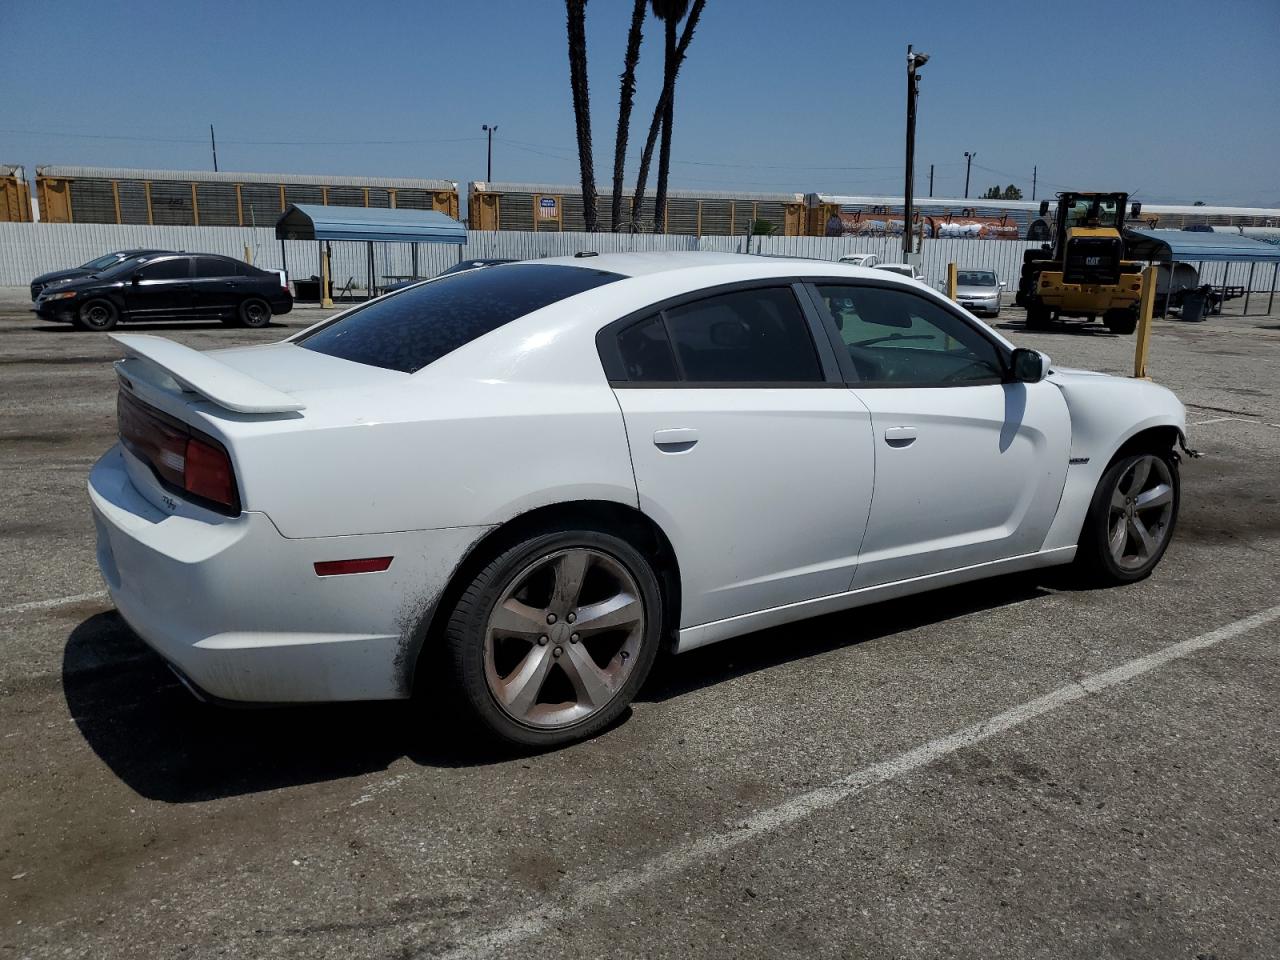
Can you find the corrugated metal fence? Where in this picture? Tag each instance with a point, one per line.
(28, 249)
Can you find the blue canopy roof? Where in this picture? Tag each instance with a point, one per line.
(1191, 246)
(313, 222)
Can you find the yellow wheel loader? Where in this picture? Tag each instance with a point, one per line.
(1083, 272)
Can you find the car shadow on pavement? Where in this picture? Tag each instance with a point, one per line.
(766, 649)
(166, 745)
(1080, 329)
(145, 327)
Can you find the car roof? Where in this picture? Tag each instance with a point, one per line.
(648, 264)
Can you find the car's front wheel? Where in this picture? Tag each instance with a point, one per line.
(97, 315)
(553, 637)
(1131, 519)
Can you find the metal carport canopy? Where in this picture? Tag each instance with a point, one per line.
(1191, 246)
(372, 224)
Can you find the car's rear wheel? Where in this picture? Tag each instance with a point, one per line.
(554, 636)
(1131, 519)
(97, 315)
(255, 312)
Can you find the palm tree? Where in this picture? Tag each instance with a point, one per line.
(670, 13)
(576, 11)
(626, 98)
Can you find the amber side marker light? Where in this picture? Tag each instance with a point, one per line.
(336, 568)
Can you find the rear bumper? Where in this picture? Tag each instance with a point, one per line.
(239, 610)
(281, 306)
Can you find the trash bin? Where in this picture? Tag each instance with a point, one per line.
(307, 289)
(1193, 304)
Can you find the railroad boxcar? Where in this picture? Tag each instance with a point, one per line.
(198, 198)
(558, 207)
(15, 194)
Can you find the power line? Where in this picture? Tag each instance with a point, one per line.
(261, 143)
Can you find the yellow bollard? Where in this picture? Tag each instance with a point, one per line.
(951, 281)
(326, 292)
(248, 254)
(1146, 308)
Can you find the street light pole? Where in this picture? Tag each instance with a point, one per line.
(968, 159)
(914, 60)
(489, 166)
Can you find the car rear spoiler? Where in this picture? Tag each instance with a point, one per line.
(200, 373)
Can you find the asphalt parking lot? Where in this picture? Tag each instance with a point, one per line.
(1018, 768)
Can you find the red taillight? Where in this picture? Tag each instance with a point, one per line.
(334, 568)
(181, 459)
(207, 473)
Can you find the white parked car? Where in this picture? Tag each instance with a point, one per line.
(531, 477)
(909, 270)
(860, 259)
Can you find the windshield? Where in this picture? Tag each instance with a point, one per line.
(124, 266)
(101, 262)
(1092, 212)
(976, 278)
(413, 327)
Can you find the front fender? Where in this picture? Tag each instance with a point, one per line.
(1106, 412)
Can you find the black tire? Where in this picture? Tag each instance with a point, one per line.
(1038, 317)
(97, 315)
(468, 623)
(254, 312)
(1094, 557)
(1121, 322)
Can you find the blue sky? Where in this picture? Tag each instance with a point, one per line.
(1175, 100)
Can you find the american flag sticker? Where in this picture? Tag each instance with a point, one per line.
(548, 208)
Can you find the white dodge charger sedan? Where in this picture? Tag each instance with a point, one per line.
(526, 480)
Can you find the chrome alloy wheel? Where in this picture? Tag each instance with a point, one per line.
(563, 638)
(1141, 511)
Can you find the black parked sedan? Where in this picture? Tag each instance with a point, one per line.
(96, 265)
(200, 286)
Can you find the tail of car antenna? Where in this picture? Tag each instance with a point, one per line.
(586, 253)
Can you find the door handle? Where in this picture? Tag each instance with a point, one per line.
(900, 436)
(675, 440)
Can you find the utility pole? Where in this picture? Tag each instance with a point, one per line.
(914, 60)
(490, 129)
(213, 143)
(931, 180)
(1034, 171)
(968, 159)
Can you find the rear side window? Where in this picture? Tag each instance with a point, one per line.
(207, 267)
(749, 336)
(416, 326)
(646, 352)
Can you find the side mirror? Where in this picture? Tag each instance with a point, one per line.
(1003, 284)
(1029, 366)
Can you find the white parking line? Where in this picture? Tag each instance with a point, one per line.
(613, 888)
(56, 602)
